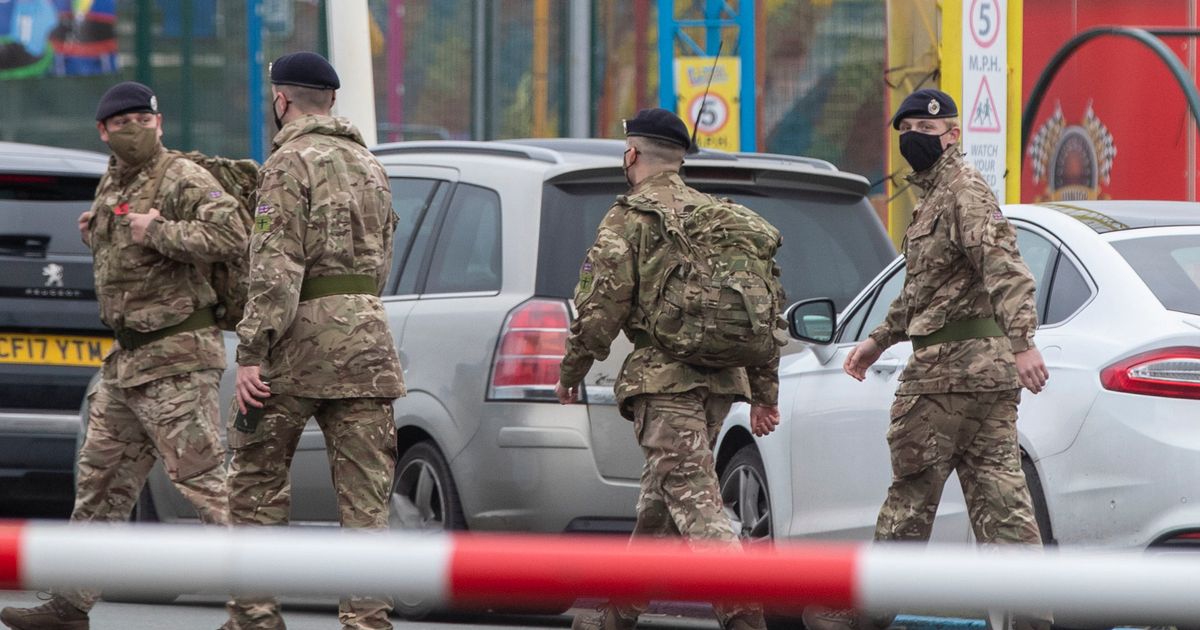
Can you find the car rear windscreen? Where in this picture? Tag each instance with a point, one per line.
(38, 213)
(1169, 265)
(833, 244)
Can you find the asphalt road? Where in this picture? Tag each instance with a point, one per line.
(204, 612)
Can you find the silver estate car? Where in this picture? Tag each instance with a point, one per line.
(487, 251)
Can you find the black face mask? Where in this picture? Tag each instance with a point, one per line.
(625, 167)
(279, 116)
(921, 150)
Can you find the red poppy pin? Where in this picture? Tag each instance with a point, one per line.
(122, 209)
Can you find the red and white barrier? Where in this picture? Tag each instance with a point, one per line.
(528, 570)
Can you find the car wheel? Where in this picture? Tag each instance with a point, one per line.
(424, 499)
(748, 504)
(1038, 495)
(746, 497)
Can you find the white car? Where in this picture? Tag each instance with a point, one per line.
(1111, 446)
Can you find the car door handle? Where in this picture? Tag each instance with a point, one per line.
(885, 366)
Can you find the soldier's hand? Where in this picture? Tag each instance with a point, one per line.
(763, 420)
(566, 395)
(863, 356)
(250, 387)
(1031, 370)
(139, 223)
(85, 220)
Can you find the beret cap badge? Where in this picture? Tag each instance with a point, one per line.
(934, 106)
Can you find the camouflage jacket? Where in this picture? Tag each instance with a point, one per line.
(620, 274)
(962, 262)
(161, 282)
(324, 208)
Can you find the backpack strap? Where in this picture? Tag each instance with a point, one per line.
(161, 167)
(671, 225)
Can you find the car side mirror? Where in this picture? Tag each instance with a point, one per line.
(813, 320)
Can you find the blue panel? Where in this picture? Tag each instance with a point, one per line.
(666, 54)
(255, 67)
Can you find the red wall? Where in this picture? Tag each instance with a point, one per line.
(1130, 91)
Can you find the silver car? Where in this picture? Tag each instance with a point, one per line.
(487, 252)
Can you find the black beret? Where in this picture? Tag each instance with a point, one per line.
(126, 97)
(659, 123)
(306, 69)
(925, 103)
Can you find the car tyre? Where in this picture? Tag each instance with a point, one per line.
(424, 499)
(1040, 513)
(747, 500)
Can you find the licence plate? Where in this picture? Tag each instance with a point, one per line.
(70, 350)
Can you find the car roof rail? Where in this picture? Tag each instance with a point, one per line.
(499, 149)
(793, 159)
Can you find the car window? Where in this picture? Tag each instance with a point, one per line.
(833, 245)
(851, 326)
(883, 301)
(38, 213)
(413, 266)
(1170, 267)
(1039, 255)
(1068, 292)
(467, 255)
(411, 198)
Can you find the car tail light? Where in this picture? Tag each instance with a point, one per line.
(1170, 372)
(532, 344)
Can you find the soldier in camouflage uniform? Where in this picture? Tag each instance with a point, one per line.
(677, 409)
(968, 306)
(315, 340)
(154, 226)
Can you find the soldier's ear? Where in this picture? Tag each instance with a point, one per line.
(103, 131)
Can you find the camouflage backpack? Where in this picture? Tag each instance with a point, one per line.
(239, 178)
(718, 299)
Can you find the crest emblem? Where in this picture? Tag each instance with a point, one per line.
(154, 103)
(54, 275)
(1072, 160)
(934, 107)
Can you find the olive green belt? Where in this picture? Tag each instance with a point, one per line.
(131, 339)
(960, 330)
(340, 284)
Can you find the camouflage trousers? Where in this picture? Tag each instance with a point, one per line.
(176, 418)
(974, 434)
(360, 437)
(679, 494)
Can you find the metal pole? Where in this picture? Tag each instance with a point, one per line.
(579, 73)
(350, 54)
(254, 79)
(666, 55)
(186, 21)
(142, 43)
(479, 70)
(641, 52)
(395, 67)
(749, 95)
(712, 32)
(541, 65)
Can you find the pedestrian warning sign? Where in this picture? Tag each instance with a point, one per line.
(985, 91)
(984, 115)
